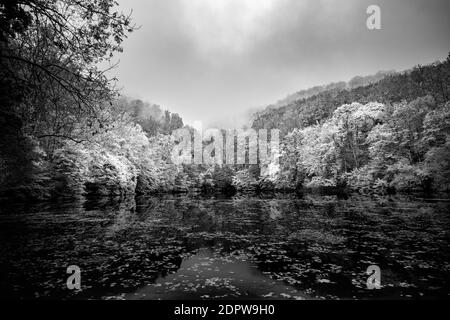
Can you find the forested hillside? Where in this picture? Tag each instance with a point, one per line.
(421, 81)
(386, 136)
(355, 82)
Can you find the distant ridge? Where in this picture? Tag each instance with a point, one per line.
(314, 105)
(358, 81)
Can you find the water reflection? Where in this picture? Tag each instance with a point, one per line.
(277, 246)
(211, 275)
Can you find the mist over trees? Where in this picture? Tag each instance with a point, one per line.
(151, 117)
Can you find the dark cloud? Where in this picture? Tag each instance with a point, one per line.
(212, 59)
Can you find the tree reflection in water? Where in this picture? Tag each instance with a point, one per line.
(189, 247)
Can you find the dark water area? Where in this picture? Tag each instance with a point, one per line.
(193, 247)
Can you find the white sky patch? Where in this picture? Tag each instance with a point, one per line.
(227, 25)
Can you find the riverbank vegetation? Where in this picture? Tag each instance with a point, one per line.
(65, 131)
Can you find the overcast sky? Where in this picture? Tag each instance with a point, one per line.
(211, 59)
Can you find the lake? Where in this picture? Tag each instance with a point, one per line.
(244, 247)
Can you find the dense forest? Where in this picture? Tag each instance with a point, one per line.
(391, 135)
(66, 132)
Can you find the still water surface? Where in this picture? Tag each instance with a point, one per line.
(262, 247)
